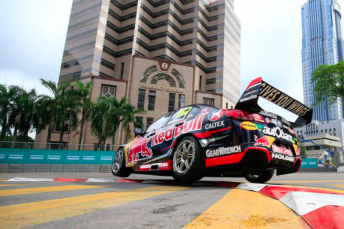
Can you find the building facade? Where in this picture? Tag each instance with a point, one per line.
(322, 43)
(161, 54)
(334, 128)
(328, 142)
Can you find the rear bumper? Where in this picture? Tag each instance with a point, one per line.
(283, 167)
(234, 158)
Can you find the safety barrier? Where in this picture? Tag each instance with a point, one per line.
(54, 160)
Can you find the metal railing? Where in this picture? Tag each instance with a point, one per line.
(58, 146)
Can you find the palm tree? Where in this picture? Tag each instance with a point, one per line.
(83, 92)
(8, 96)
(109, 113)
(127, 116)
(31, 113)
(101, 123)
(61, 105)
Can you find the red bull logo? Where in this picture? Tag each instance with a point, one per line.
(263, 141)
(139, 150)
(216, 116)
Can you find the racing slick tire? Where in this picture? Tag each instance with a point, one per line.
(188, 161)
(265, 176)
(118, 165)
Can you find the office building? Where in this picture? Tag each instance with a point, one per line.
(161, 54)
(321, 44)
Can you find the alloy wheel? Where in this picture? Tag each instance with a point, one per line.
(184, 156)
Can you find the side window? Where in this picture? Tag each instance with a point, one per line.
(179, 115)
(193, 113)
(159, 123)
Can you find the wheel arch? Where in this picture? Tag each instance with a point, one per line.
(178, 139)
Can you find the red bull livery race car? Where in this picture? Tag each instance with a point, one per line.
(201, 140)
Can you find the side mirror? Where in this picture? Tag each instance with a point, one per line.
(138, 131)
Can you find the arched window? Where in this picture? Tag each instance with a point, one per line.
(179, 78)
(146, 73)
(162, 76)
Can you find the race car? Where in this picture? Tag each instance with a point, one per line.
(197, 141)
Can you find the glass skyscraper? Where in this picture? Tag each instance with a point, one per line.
(321, 44)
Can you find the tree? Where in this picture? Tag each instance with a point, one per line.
(31, 113)
(329, 80)
(61, 105)
(8, 97)
(109, 113)
(83, 92)
(101, 123)
(127, 116)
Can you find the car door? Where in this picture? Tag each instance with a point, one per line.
(141, 149)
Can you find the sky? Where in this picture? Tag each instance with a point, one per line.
(33, 34)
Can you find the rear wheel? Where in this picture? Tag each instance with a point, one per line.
(118, 165)
(263, 177)
(188, 160)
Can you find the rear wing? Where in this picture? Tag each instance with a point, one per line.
(258, 88)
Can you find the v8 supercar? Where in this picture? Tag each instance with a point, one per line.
(201, 140)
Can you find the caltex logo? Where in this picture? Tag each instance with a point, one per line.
(216, 116)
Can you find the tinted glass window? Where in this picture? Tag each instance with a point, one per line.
(194, 112)
(159, 123)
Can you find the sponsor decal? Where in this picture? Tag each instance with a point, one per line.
(145, 167)
(183, 112)
(73, 158)
(222, 151)
(53, 157)
(166, 165)
(16, 156)
(214, 125)
(263, 141)
(248, 126)
(139, 150)
(216, 116)
(297, 150)
(251, 92)
(279, 98)
(282, 157)
(173, 132)
(267, 120)
(106, 158)
(282, 149)
(88, 158)
(266, 113)
(36, 157)
(249, 98)
(277, 132)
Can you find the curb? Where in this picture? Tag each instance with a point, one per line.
(319, 208)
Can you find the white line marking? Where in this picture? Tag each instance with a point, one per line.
(30, 179)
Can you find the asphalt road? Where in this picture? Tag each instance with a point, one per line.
(150, 204)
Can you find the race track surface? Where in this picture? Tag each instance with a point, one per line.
(150, 203)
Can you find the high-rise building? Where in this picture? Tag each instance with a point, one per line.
(321, 44)
(161, 54)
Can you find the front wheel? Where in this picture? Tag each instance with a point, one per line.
(263, 177)
(118, 165)
(188, 161)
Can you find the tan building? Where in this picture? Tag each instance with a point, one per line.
(162, 54)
